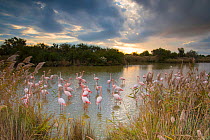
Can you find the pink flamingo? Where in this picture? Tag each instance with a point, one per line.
(97, 88)
(44, 91)
(67, 84)
(85, 99)
(123, 80)
(115, 87)
(99, 98)
(25, 99)
(110, 79)
(61, 102)
(69, 89)
(96, 79)
(86, 91)
(117, 97)
(68, 93)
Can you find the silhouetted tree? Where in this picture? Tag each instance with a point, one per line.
(11, 46)
(145, 53)
(162, 54)
(181, 52)
(192, 53)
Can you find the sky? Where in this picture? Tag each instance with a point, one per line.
(126, 25)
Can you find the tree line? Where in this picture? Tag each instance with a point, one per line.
(83, 54)
(163, 55)
(63, 54)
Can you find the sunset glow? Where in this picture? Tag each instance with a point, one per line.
(127, 25)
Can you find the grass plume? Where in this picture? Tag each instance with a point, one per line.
(175, 108)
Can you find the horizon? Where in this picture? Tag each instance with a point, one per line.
(126, 25)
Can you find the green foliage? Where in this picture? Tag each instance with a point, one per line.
(63, 54)
(181, 52)
(192, 53)
(162, 54)
(145, 53)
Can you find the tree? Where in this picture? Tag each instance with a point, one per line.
(12, 45)
(181, 52)
(145, 53)
(192, 53)
(162, 54)
(134, 53)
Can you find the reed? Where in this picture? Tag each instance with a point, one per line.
(175, 107)
(27, 120)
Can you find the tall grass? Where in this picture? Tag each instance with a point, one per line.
(175, 107)
(21, 121)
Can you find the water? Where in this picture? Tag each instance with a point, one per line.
(110, 111)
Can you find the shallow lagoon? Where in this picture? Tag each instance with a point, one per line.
(110, 111)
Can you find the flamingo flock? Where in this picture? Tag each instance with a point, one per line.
(66, 89)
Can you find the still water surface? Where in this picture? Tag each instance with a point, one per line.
(110, 110)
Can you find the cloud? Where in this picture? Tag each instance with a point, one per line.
(200, 45)
(103, 35)
(99, 19)
(180, 18)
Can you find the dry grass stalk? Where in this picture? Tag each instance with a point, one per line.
(38, 67)
(182, 116)
(12, 58)
(27, 59)
(161, 137)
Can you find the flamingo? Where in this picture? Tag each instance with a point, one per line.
(117, 96)
(99, 98)
(96, 79)
(85, 99)
(67, 84)
(69, 89)
(44, 91)
(25, 98)
(97, 88)
(46, 78)
(86, 91)
(61, 102)
(110, 79)
(123, 80)
(59, 83)
(115, 87)
(68, 93)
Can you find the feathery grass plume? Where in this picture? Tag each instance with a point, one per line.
(199, 133)
(1, 62)
(207, 134)
(19, 66)
(29, 65)
(16, 120)
(172, 119)
(12, 58)
(39, 66)
(11, 66)
(27, 59)
(89, 138)
(182, 116)
(149, 77)
(186, 99)
(161, 137)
